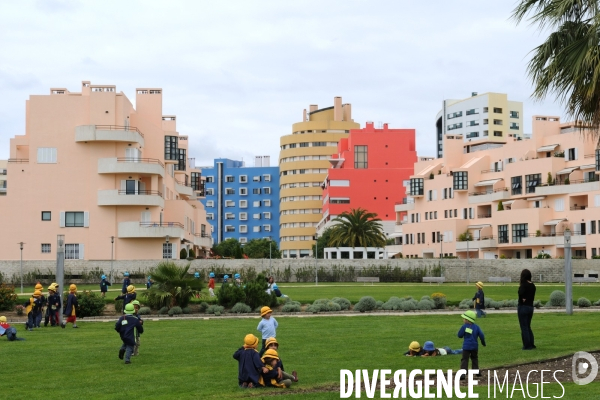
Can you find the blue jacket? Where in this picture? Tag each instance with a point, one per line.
(249, 366)
(126, 282)
(54, 302)
(470, 338)
(479, 295)
(71, 302)
(104, 284)
(126, 325)
(127, 298)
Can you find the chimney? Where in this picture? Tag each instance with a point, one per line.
(337, 108)
(304, 115)
(473, 94)
(313, 107)
(347, 111)
(266, 161)
(258, 161)
(385, 126)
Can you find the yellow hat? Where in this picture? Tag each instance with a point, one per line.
(72, 288)
(3, 319)
(52, 287)
(271, 340)
(265, 310)
(479, 285)
(39, 286)
(414, 346)
(270, 353)
(37, 293)
(54, 284)
(130, 289)
(250, 341)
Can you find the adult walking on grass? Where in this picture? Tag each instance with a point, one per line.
(525, 309)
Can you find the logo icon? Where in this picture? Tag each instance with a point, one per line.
(579, 367)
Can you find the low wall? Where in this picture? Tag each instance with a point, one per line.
(454, 270)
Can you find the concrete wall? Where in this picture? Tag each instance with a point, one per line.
(455, 270)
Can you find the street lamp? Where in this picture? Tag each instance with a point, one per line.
(112, 245)
(21, 247)
(60, 270)
(441, 252)
(316, 259)
(270, 241)
(568, 273)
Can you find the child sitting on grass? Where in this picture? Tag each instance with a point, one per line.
(7, 330)
(414, 350)
(470, 332)
(266, 326)
(272, 344)
(274, 377)
(250, 366)
(429, 350)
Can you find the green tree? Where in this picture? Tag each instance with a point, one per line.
(357, 228)
(229, 248)
(259, 248)
(172, 286)
(322, 242)
(567, 63)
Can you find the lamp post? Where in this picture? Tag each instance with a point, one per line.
(316, 259)
(60, 271)
(468, 280)
(21, 247)
(270, 241)
(441, 253)
(112, 245)
(568, 273)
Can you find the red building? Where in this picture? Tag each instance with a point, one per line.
(368, 172)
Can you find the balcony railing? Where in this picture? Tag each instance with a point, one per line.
(484, 216)
(19, 160)
(140, 160)
(162, 224)
(504, 189)
(3, 172)
(204, 235)
(140, 192)
(183, 183)
(589, 155)
(575, 208)
(573, 233)
(571, 182)
(485, 171)
(406, 201)
(118, 128)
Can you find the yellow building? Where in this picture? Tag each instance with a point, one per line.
(303, 163)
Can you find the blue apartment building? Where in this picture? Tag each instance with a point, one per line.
(242, 202)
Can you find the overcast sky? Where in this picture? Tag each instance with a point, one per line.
(239, 73)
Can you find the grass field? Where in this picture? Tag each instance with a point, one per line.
(193, 358)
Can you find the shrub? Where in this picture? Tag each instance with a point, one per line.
(439, 299)
(292, 306)
(215, 309)
(192, 254)
(344, 303)
(241, 308)
(557, 299)
(394, 303)
(332, 306)
(173, 286)
(495, 304)
(409, 305)
(583, 302)
(8, 297)
(256, 293)
(229, 294)
(317, 306)
(425, 304)
(366, 303)
(597, 303)
(90, 304)
(144, 311)
(182, 254)
(203, 306)
(163, 311)
(20, 310)
(379, 304)
(465, 304)
(487, 302)
(119, 306)
(175, 311)
(510, 303)
(187, 310)
(537, 304)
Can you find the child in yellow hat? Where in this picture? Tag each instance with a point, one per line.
(272, 344)
(33, 308)
(127, 297)
(52, 306)
(38, 318)
(250, 366)
(274, 377)
(414, 350)
(70, 308)
(479, 300)
(266, 326)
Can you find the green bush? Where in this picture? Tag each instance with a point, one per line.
(344, 303)
(90, 304)
(175, 311)
(144, 311)
(241, 308)
(229, 294)
(537, 304)
(186, 310)
(487, 302)
(215, 309)
(583, 302)
(332, 306)
(173, 286)
(366, 303)
(119, 306)
(182, 254)
(597, 303)
(409, 305)
(557, 299)
(394, 303)
(256, 293)
(379, 304)
(425, 304)
(510, 303)
(439, 299)
(163, 311)
(495, 304)
(203, 306)
(317, 306)
(192, 254)
(292, 306)
(465, 304)
(8, 297)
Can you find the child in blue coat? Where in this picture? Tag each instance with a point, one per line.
(479, 300)
(128, 297)
(250, 366)
(126, 282)
(126, 326)
(104, 284)
(470, 332)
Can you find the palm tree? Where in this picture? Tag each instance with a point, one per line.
(568, 62)
(172, 286)
(357, 228)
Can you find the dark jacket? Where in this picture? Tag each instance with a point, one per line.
(104, 284)
(270, 378)
(481, 303)
(54, 302)
(138, 332)
(34, 305)
(249, 366)
(126, 282)
(126, 326)
(470, 338)
(127, 298)
(71, 303)
(527, 292)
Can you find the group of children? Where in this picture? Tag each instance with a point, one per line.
(37, 303)
(264, 368)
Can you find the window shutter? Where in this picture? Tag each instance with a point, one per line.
(575, 158)
(174, 253)
(559, 205)
(62, 219)
(142, 187)
(81, 247)
(567, 155)
(86, 219)
(587, 228)
(123, 185)
(597, 200)
(451, 234)
(435, 195)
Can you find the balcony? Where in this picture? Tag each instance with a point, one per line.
(575, 186)
(555, 239)
(18, 161)
(203, 240)
(405, 205)
(485, 242)
(136, 229)
(487, 196)
(184, 189)
(108, 133)
(147, 198)
(123, 165)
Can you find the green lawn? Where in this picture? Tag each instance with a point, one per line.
(193, 358)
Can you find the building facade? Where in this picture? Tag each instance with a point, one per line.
(3, 177)
(484, 121)
(303, 165)
(368, 171)
(242, 202)
(514, 201)
(113, 179)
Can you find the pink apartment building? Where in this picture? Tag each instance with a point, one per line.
(512, 199)
(111, 178)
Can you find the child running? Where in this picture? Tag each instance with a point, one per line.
(70, 307)
(211, 284)
(128, 297)
(250, 366)
(136, 313)
(470, 332)
(479, 300)
(126, 326)
(126, 282)
(266, 326)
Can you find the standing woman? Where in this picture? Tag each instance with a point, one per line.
(525, 309)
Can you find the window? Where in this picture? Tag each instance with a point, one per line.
(485, 109)
(243, 216)
(210, 203)
(416, 187)
(267, 203)
(497, 122)
(455, 213)
(229, 178)
(243, 239)
(318, 144)
(256, 216)
(498, 133)
(572, 153)
(256, 229)
(455, 115)
(531, 181)
(210, 179)
(229, 191)
(485, 121)
(46, 216)
(74, 251)
(519, 231)
(592, 227)
(304, 144)
(210, 192)
(360, 157)
(473, 123)
(229, 216)
(472, 135)
(497, 110)
(597, 159)
(472, 111)
(46, 248)
(267, 228)
(256, 179)
(256, 203)
(514, 125)
(460, 180)
(167, 250)
(243, 191)
(502, 233)
(256, 191)
(243, 229)
(74, 219)
(513, 114)
(243, 203)
(229, 228)
(181, 166)
(229, 203)
(171, 148)
(445, 213)
(455, 126)
(243, 178)
(267, 190)
(267, 215)
(515, 184)
(46, 155)
(210, 216)
(267, 177)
